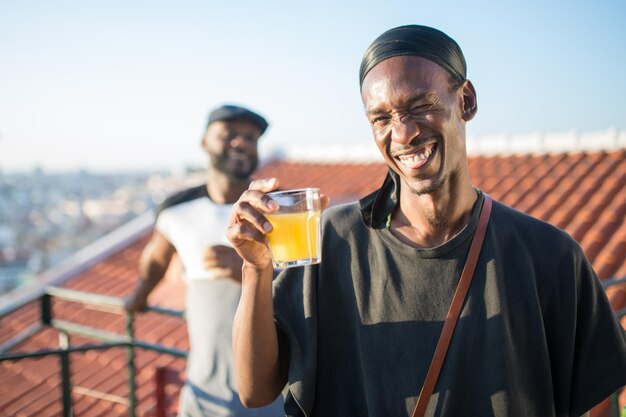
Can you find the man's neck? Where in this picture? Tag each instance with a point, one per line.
(223, 189)
(430, 220)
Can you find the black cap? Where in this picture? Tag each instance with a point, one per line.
(231, 112)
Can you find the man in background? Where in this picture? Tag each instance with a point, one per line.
(192, 223)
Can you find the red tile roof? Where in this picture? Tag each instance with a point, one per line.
(582, 193)
(31, 387)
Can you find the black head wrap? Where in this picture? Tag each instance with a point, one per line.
(416, 40)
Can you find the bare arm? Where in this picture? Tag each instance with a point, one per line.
(260, 376)
(153, 264)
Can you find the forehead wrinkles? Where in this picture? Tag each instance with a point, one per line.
(399, 79)
(385, 93)
(397, 100)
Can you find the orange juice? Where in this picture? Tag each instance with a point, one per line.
(294, 239)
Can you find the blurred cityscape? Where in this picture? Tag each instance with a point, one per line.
(45, 217)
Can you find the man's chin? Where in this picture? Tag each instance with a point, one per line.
(240, 174)
(240, 177)
(237, 172)
(425, 187)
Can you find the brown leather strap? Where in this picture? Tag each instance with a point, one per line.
(454, 311)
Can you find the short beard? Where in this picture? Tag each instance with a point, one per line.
(427, 190)
(436, 220)
(221, 164)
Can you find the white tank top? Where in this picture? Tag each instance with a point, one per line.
(191, 222)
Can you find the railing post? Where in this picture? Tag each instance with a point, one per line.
(115, 340)
(46, 310)
(159, 379)
(66, 386)
(131, 364)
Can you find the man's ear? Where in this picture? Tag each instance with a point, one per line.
(203, 141)
(470, 102)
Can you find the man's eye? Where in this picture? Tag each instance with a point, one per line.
(422, 108)
(380, 120)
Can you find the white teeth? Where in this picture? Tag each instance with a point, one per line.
(416, 157)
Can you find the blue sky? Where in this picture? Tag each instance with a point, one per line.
(128, 84)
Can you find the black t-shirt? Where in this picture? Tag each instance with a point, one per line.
(536, 336)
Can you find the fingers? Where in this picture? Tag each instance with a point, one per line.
(254, 217)
(241, 233)
(220, 256)
(266, 185)
(223, 261)
(250, 244)
(212, 262)
(324, 201)
(219, 250)
(135, 304)
(253, 203)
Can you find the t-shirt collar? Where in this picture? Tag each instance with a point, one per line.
(376, 207)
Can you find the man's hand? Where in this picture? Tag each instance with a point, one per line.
(154, 261)
(137, 301)
(223, 261)
(248, 225)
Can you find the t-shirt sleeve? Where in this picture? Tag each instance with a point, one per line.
(295, 314)
(164, 225)
(599, 363)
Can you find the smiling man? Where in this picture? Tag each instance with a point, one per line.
(418, 119)
(193, 224)
(431, 299)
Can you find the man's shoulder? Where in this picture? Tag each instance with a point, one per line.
(511, 221)
(343, 217)
(517, 217)
(343, 212)
(183, 196)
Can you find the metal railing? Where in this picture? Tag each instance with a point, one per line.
(128, 341)
(109, 340)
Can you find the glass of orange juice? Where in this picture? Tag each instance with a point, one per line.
(296, 234)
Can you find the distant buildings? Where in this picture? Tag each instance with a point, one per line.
(46, 217)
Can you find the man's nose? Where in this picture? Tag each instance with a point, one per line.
(404, 130)
(238, 141)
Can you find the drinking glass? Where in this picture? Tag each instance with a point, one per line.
(296, 235)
